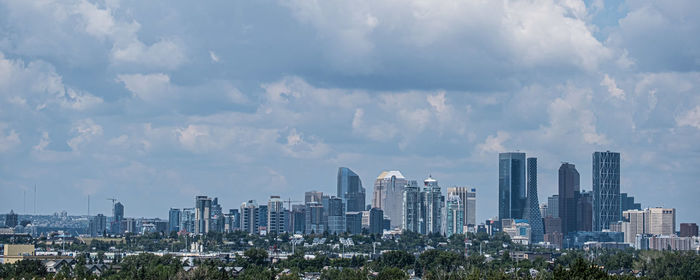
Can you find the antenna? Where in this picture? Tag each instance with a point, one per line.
(88, 205)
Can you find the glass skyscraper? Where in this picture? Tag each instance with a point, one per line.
(606, 189)
(569, 190)
(350, 190)
(533, 215)
(511, 186)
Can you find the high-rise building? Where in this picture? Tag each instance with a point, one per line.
(468, 198)
(388, 195)
(606, 189)
(98, 225)
(298, 216)
(174, 219)
(250, 217)
(235, 220)
(455, 215)
(434, 202)
(543, 210)
(634, 222)
(336, 215)
(413, 212)
(262, 216)
(376, 221)
(350, 190)
(689, 230)
(533, 215)
(187, 220)
(662, 221)
(569, 190)
(553, 206)
(118, 216)
(627, 203)
(11, 219)
(353, 222)
(314, 218)
(512, 195)
(313, 196)
(552, 224)
(584, 211)
(202, 214)
(275, 215)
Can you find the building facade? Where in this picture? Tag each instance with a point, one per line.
(569, 190)
(468, 198)
(350, 190)
(454, 216)
(606, 189)
(388, 195)
(276, 215)
(249, 217)
(202, 214)
(512, 195)
(434, 202)
(533, 216)
(174, 219)
(336, 215)
(413, 212)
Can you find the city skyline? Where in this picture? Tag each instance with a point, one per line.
(155, 103)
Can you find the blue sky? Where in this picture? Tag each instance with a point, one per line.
(154, 102)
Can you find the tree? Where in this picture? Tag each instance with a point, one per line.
(256, 256)
(391, 273)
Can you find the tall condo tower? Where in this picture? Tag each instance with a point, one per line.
(511, 186)
(534, 216)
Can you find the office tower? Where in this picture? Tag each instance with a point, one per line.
(376, 221)
(552, 224)
(98, 225)
(455, 215)
(350, 190)
(262, 216)
(434, 202)
(118, 216)
(569, 189)
(187, 220)
(313, 196)
(689, 230)
(606, 189)
(468, 198)
(543, 210)
(216, 209)
(202, 214)
(634, 222)
(662, 221)
(275, 215)
(174, 219)
(388, 195)
(250, 217)
(336, 215)
(553, 206)
(11, 219)
(533, 215)
(325, 201)
(511, 186)
(314, 218)
(584, 211)
(365, 219)
(627, 203)
(353, 222)
(298, 215)
(412, 216)
(128, 225)
(235, 219)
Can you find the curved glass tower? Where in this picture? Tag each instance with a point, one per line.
(534, 216)
(350, 190)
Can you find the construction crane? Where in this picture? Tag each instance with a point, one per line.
(114, 200)
(289, 202)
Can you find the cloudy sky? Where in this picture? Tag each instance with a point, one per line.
(154, 102)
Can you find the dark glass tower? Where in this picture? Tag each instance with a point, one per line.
(533, 204)
(350, 190)
(569, 189)
(511, 186)
(606, 189)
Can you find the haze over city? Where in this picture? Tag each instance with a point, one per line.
(156, 103)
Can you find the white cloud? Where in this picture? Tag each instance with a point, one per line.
(148, 87)
(85, 130)
(8, 140)
(612, 87)
(494, 144)
(689, 118)
(43, 142)
(214, 57)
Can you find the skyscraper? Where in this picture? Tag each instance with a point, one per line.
(118, 216)
(553, 206)
(336, 215)
(249, 217)
(434, 202)
(98, 224)
(455, 215)
(313, 196)
(468, 198)
(350, 190)
(314, 222)
(388, 195)
(606, 189)
(569, 189)
(202, 214)
(376, 221)
(412, 218)
(275, 215)
(187, 219)
(353, 222)
(174, 219)
(533, 213)
(298, 222)
(11, 219)
(662, 221)
(511, 186)
(584, 211)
